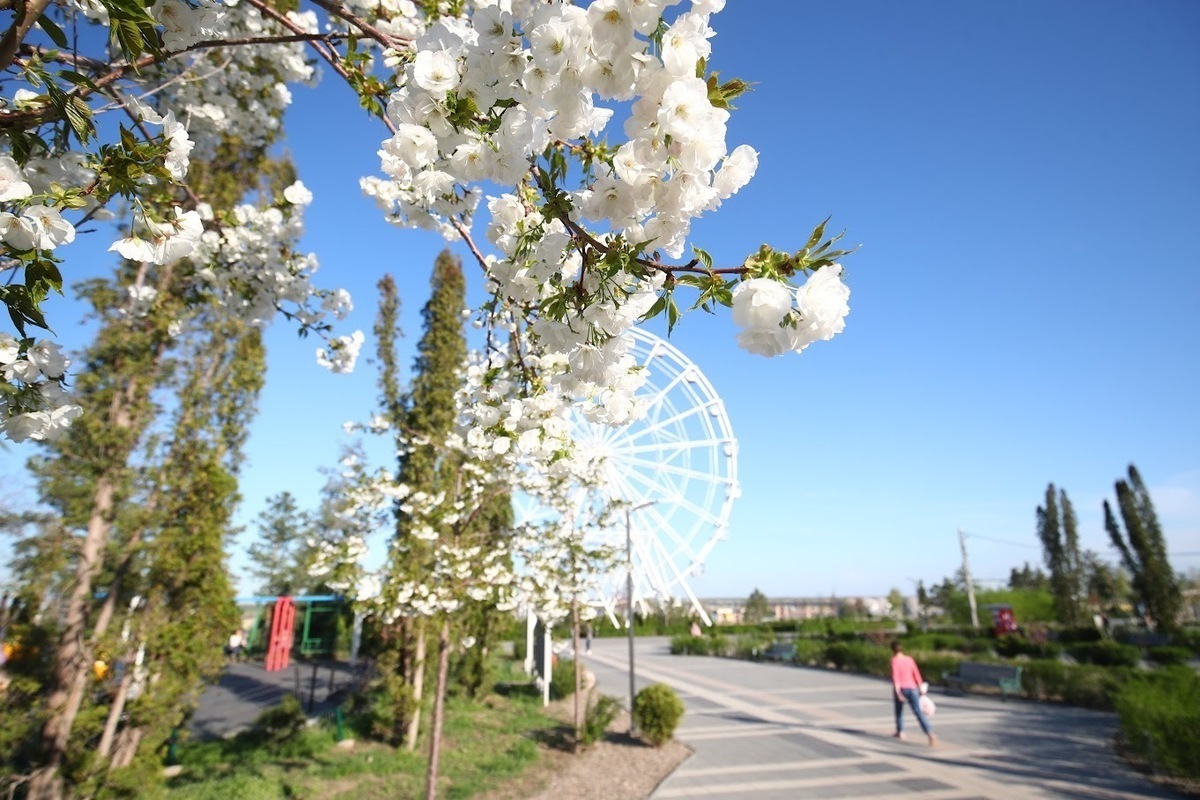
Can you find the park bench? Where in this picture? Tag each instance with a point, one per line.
(780, 651)
(1003, 676)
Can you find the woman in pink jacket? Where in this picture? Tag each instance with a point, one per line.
(906, 686)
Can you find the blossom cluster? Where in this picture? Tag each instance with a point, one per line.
(520, 95)
(35, 404)
(775, 318)
(537, 82)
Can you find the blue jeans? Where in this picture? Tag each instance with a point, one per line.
(913, 696)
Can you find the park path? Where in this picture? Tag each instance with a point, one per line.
(246, 689)
(771, 731)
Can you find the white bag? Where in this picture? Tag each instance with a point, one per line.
(928, 708)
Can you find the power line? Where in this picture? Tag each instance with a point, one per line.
(1003, 541)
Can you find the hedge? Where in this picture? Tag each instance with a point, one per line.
(1160, 718)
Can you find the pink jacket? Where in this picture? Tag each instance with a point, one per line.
(905, 674)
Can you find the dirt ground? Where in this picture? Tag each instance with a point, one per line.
(617, 768)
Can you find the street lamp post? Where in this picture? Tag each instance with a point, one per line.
(629, 603)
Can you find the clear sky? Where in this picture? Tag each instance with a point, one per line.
(1024, 179)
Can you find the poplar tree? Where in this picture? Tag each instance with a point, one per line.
(1144, 551)
(399, 649)
(422, 418)
(146, 483)
(1057, 530)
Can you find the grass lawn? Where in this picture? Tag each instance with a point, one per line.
(484, 744)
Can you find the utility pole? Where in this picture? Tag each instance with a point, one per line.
(962, 543)
(629, 608)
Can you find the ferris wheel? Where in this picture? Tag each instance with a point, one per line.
(674, 471)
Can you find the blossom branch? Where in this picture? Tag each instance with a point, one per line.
(358, 22)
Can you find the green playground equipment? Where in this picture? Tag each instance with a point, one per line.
(315, 633)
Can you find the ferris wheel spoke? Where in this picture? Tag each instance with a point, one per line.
(687, 472)
(658, 425)
(657, 490)
(691, 444)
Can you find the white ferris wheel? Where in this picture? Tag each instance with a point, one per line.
(674, 471)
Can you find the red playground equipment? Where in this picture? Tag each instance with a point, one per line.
(279, 645)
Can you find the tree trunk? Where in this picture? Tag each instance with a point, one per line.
(413, 725)
(126, 746)
(69, 677)
(578, 673)
(439, 702)
(114, 714)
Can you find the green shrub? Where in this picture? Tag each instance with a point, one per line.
(860, 657)
(598, 717)
(1189, 638)
(1089, 686)
(750, 645)
(688, 645)
(562, 679)
(1043, 679)
(718, 644)
(1013, 645)
(1106, 654)
(1087, 633)
(657, 711)
(810, 652)
(936, 642)
(520, 650)
(1160, 717)
(980, 647)
(1082, 685)
(280, 724)
(932, 665)
(1168, 655)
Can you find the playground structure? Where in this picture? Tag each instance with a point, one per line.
(277, 633)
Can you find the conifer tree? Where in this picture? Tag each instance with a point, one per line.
(277, 557)
(400, 648)
(1144, 551)
(427, 416)
(113, 479)
(1057, 530)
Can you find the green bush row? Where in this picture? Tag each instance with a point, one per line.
(1160, 718)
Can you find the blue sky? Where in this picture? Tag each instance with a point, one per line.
(1024, 180)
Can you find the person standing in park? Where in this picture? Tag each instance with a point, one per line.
(236, 646)
(906, 687)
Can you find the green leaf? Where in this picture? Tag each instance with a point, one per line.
(53, 31)
(817, 233)
(704, 257)
(41, 275)
(77, 79)
(659, 306)
(672, 315)
(79, 114)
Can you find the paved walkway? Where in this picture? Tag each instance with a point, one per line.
(246, 689)
(771, 731)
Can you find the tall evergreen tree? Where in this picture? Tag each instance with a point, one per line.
(1144, 551)
(112, 482)
(426, 416)
(278, 556)
(1056, 528)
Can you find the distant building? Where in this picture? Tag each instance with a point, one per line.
(729, 611)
